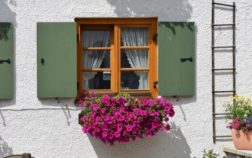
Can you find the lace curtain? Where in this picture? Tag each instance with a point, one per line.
(93, 59)
(138, 58)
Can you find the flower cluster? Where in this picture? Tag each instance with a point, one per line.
(240, 111)
(245, 124)
(123, 117)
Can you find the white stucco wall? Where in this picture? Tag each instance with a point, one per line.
(48, 130)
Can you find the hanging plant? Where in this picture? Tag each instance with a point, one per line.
(123, 118)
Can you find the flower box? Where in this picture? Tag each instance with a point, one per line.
(124, 118)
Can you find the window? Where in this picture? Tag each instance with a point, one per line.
(117, 55)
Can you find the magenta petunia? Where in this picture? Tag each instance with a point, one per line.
(124, 118)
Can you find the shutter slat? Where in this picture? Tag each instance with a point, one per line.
(56, 59)
(176, 58)
(6, 61)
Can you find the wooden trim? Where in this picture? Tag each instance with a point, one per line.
(135, 91)
(119, 59)
(96, 48)
(97, 27)
(96, 69)
(135, 47)
(153, 60)
(135, 69)
(117, 21)
(117, 56)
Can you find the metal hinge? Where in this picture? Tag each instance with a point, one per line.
(155, 36)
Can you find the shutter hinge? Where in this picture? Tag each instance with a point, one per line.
(78, 85)
(155, 37)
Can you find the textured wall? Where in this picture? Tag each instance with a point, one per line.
(48, 130)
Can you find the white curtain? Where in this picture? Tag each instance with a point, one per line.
(93, 59)
(138, 58)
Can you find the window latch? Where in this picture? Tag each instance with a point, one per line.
(186, 59)
(8, 61)
(42, 61)
(155, 83)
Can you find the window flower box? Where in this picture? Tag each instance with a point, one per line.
(124, 118)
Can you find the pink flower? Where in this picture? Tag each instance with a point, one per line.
(86, 129)
(104, 134)
(117, 134)
(154, 125)
(119, 127)
(121, 100)
(155, 113)
(128, 128)
(105, 100)
(102, 110)
(80, 102)
(236, 124)
(110, 137)
(121, 118)
(95, 107)
(141, 112)
(167, 127)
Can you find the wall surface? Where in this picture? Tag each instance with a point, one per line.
(48, 129)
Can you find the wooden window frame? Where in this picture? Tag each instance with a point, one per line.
(115, 52)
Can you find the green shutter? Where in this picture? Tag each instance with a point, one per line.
(176, 48)
(6, 61)
(56, 59)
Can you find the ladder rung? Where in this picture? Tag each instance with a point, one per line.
(224, 69)
(223, 25)
(219, 114)
(223, 91)
(217, 47)
(223, 136)
(222, 4)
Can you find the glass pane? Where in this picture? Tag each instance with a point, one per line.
(96, 59)
(96, 38)
(134, 80)
(134, 36)
(96, 80)
(134, 58)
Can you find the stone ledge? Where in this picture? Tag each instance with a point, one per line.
(231, 151)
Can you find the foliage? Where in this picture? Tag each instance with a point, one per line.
(240, 111)
(123, 118)
(210, 154)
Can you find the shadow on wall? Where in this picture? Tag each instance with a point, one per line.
(5, 150)
(163, 145)
(8, 15)
(173, 10)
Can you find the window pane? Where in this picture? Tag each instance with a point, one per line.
(134, 58)
(96, 80)
(134, 80)
(96, 38)
(134, 36)
(96, 59)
